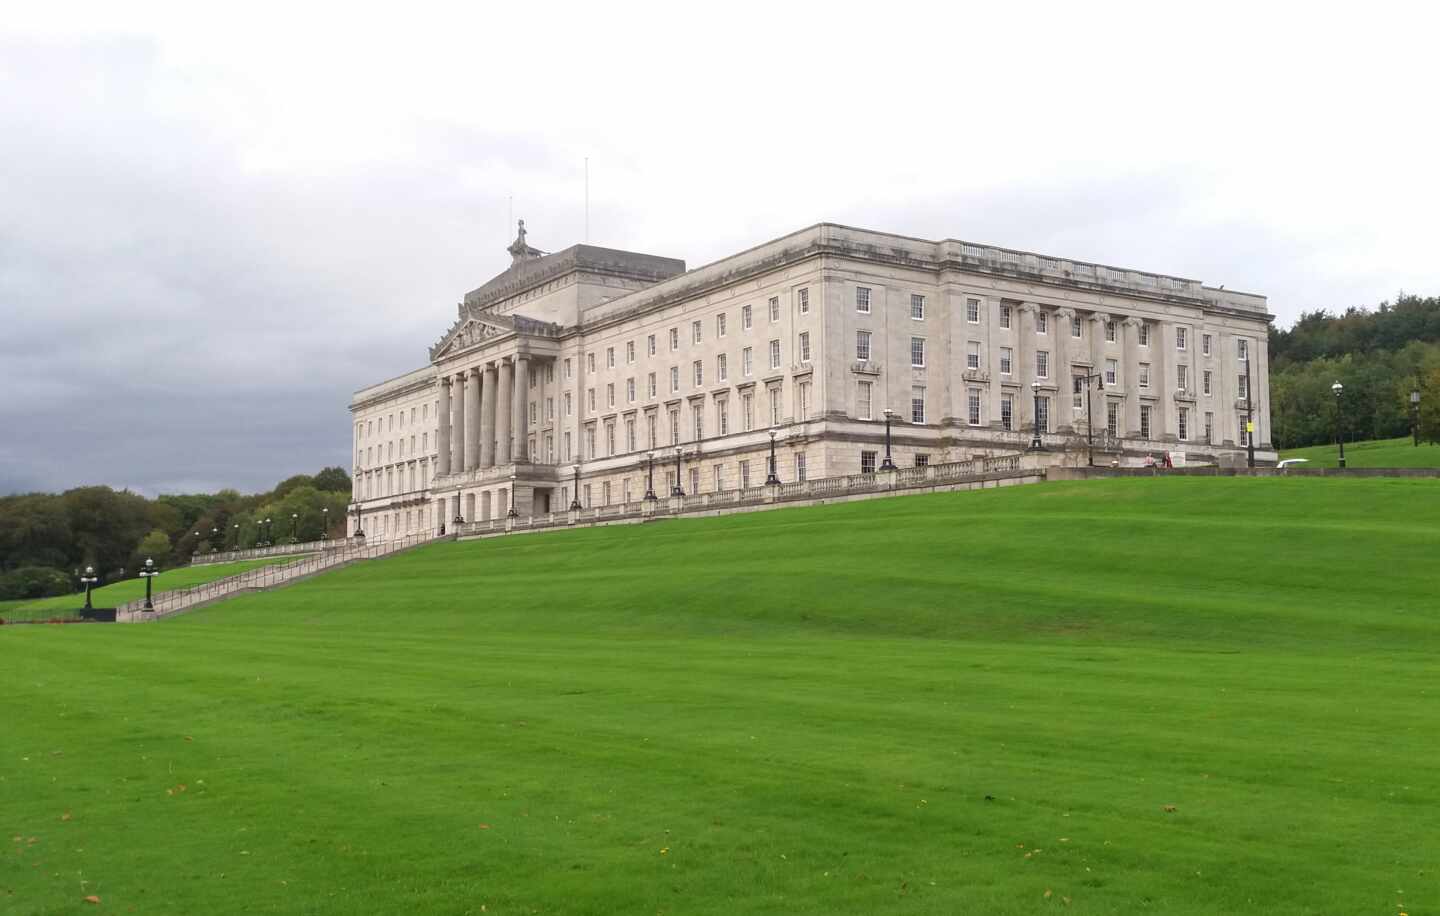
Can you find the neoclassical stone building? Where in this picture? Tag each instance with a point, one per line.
(596, 362)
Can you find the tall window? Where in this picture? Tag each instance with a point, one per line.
(697, 421)
(1242, 350)
(747, 362)
(629, 434)
(1205, 344)
(747, 411)
(674, 339)
(650, 434)
(674, 426)
(590, 399)
(1182, 377)
(1242, 387)
(630, 390)
(1112, 369)
(802, 394)
(695, 332)
(650, 390)
(804, 346)
(744, 475)
(1209, 428)
(650, 345)
(609, 395)
(720, 325)
(774, 309)
(1077, 392)
(972, 406)
(867, 462)
(774, 405)
(804, 301)
(774, 354)
(722, 368)
(1042, 322)
(1112, 417)
(1110, 332)
(862, 345)
(698, 370)
(747, 318)
(800, 466)
(590, 440)
(1075, 328)
(674, 379)
(862, 300)
(972, 311)
(1007, 360)
(609, 357)
(1007, 411)
(722, 416)
(1180, 338)
(590, 363)
(1005, 316)
(1144, 421)
(917, 306)
(629, 351)
(862, 400)
(718, 477)
(1182, 418)
(917, 404)
(610, 438)
(917, 352)
(972, 355)
(1144, 334)
(1043, 417)
(1244, 437)
(1042, 363)
(1144, 375)
(1205, 378)
(569, 369)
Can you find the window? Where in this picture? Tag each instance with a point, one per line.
(610, 438)
(1144, 375)
(697, 421)
(1007, 360)
(862, 346)
(1144, 334)
(674, 379)
(1075, 327)
(1209, 428)
(747, 362)
(718, 477)
(862, 300)
(1007, 412)
(922, 460)
(1112, 417)
(1180, 338)
(610, 394)
(1110, 331)
(566, 456)
(586, 491)
(694, 332)
(1205, 344)
(1242, 388)
(569, 369)
(1242, 350)
(1112, 369)
(674, 426)
(1042, 363)
(917, 307)
(972, 406)
(720, 325)
(774, 405)
(1042, 419)
(1144, 421)
(590, 440)
(629, 434)
(1077, 392)
(650, 390)
(972, 311)
(972, 355)
(629, 351)
(674, 339)
(625, 490)
(774, 309)
(630, 390)
(1005, 316)
(862, 400)
(802, 393)
(917, 352)
(747, 411)
(722, 369)
(590, 399)
(694, 480)
(722, 417)
(800, 466)
(650, 435)
(650, 345)
(747, 318)
(590, 363)
(1205, 382)
(917, 405)
(698, 370)
(609, 357)
(804, 301)
(1182, 377)
(1042, 322)
(550, 402)
(1182, 418)
(1244, 431)
(804, 346)
(867, 462)
(774, 354)
(744, 475)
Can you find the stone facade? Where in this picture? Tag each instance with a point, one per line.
(589, 361)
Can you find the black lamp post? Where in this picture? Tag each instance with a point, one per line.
(1036, 444)
(89, 579)
(1415, 416)
(237, 536)
(678, 490)
(772, 479)
(1339, 389)
(359, 526)
(325, 523)
(575, 491)
(887, 464)
(294, 526)
(1099, 381)
(266, 541)
(214, 539)
(148, 573)
(514, 512)
(650, 476)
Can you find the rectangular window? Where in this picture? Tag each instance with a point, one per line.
(590, 363)
(1043, 418)
(1075, 328)
(1144, 375)
(629, 434)
(566, 456)
(650, 389)
(1144, 334)
(800, 466)
(1042, 363)
(698, 370)
(1112, 417)
(1182, 418)
(862, 300)
(867, 462)
(862, 400)
(695, 332)
(917, 352)
(674, 379)
(694, 480)
(774, 354)
(697, 421)
(1005, 316)
(774, 309)
(629, 351)
(610, 394)
(922, 460)
(674, 426)
(1042, 322)
(1144, 421)
(1112, 369)
(1110, 332)
(804, 346)
(862, 346)
(745, 475)
(804, 301)
(630, 390)
(972, 355)
(1182, 377)
(1209, 428)
(774, 406)
(609, 357)
(1205, 382)
(917, 307)
(650, 345)
(972, 311)
(1180, 338)
(569, 369)
(590, 440)
(722, 417)
(1244, 434)
(917, 405)
(718, 477)
(747, 318)
(722, 369)
(1077, 392)
(550, 402)
(1242, 350)
(747, 362)
(747, 411)
(586, 500)
(590, 399)
(1205, 344)
(625, 490)
(1242, 389)
(1007, 412)
(972, 406)
(802, 393)
(609, 438)
(1007, 360)
(650, 433)
(674, 339)
(720, 325)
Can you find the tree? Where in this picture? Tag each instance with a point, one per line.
(333, 480)
(1430, 406)
(155, 546)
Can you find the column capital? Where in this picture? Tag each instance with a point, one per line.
(1064, 313)
(1132, 322)
(1029, 307)
(1102, 317)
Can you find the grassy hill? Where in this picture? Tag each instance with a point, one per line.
(1378, 453)
(1169, 695)
(128, 590)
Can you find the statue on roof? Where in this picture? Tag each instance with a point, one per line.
(520, 250)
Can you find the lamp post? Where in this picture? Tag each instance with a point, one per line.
(1250, 421)
(1339, 389)
(1036, 444)
(887, 464)
(214, 539)
(359, 513)
(678, 490)
(772, 479)
(89, 579)
(650, 476)
(325, 523)
(1099, 381)
(575, 491)
(148, 573)
(514, 512)
(237, 536)
(1415, 415)
(266, 542)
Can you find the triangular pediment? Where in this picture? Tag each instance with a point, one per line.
(472, 329)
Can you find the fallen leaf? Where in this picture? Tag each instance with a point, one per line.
(92, 899)
(1047, 893)
(188, 738)
(1168, 809)
(484, 826)
(65, 816)
(665, 851)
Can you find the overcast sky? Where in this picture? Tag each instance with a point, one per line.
(217, 221)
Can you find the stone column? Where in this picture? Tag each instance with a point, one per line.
(442, 444)
(522, 415)
(1162, 345)
(487, 418)
(472, 418)
(504, 397)
(458, 425)
(1130, 334)
(1025, 368)
(1064, 419)
(1098, 320)
(994, 339)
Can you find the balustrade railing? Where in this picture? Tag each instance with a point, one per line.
(274, 550)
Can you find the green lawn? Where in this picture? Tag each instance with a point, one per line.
(128, 590)
(1168, 695)
(1377, 453)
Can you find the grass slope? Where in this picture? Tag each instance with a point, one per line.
(129, 589)
(1377, 453)
(956, 703)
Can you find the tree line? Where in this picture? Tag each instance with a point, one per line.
(47, 539)
(1380, 356)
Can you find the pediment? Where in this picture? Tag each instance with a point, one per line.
(472, 329)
